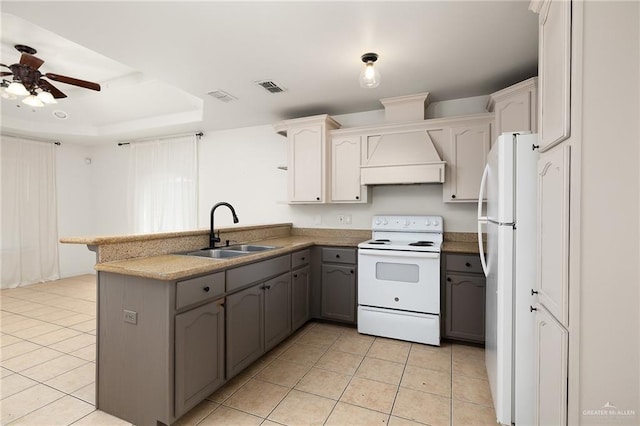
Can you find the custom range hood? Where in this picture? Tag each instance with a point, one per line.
(402, 154)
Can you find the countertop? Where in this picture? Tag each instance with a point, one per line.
(460, 247)
(170, 267)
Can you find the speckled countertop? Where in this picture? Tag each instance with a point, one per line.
(461, 242)
(173, 266)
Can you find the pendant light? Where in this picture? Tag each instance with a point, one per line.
(369, 76)
(47, 97)
(17, 88)
(32, 100)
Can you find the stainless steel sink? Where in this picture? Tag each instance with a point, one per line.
(229, 251)
(249, 247)
(217, 253)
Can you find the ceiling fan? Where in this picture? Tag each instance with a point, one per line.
(29, 82)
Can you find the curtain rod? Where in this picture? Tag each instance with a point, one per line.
(198, 135)
(30, 138)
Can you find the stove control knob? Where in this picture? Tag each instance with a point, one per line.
(427, 223)
(385, 221)
(377, 222)
(435, 222)
(407, 222)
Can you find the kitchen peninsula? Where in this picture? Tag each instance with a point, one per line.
(173, 328)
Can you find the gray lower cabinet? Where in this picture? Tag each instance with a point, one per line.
(338, 299)
(199, 354)
(245, 328)
(300, 296)
(464, 298)
(258, 318)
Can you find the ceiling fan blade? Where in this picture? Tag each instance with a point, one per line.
(73, 81)
(4, 74)
(45, 85)
(31, 61)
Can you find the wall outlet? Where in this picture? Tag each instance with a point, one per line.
(341, 219)
(131, 317)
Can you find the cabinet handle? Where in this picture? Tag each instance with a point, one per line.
(448, 279)
(534, 147)
(533, 292)
(531, 308)
(352, 271)
(302, 258)
(317, 198)
(468, 265)
(206, 289)
(295, 275)
(267, 287)
(337, 256)
(357, 197)
(453, 195)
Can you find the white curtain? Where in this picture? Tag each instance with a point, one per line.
(29, 233)
(163, 189)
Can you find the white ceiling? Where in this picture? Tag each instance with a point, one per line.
(157, 60)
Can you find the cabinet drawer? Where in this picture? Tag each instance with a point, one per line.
(259, 271)
(300, 258)
(339, 255)
(199, 289)
(464, 263)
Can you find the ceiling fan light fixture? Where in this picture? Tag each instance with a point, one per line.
(32, 100)
(3, 91)
(47, 98)
(369, 76)
(17, 88)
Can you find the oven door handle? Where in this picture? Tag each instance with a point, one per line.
(399, 253)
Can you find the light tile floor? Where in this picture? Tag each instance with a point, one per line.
(323, 374)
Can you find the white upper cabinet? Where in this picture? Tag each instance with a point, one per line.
(554, 72)
(346, 152)
(466, 157)
(515, 108)
(553, 232)
(308, 158)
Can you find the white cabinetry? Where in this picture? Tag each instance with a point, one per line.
(466, 156)
(346, 154)
(553, 231)
(552, 343)
(309, 159)
(515, 108)
(555, 71)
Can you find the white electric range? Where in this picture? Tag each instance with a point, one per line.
(399, 279)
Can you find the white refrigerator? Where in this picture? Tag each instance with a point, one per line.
(510, 185)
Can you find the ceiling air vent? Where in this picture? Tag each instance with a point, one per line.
(270, 86)
(221, 95)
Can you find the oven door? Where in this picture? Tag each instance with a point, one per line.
(404, 280)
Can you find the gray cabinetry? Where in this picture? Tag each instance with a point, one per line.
(464, 298)
(245, 328)
(277, 310)
(338, 300)
(199, 352)
(300, 288)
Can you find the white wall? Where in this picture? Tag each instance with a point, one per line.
(75, 193)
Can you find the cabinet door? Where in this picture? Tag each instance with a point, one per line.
(345, 170)
(339, 292)
(245, 328)
(468, 151)
(516, 113)
(306, 164)
(555, 71)
(551, 360)
(465, 304)
(553, 232)
(277, 310)
(300, 296)
(199, 349)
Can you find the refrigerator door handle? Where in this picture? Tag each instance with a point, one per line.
(482, 219)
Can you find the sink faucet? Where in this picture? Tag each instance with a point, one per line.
(212, 236)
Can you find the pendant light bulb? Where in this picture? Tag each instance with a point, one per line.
(369, 76)
(47, 98)
(32, 100)
(17, 88)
